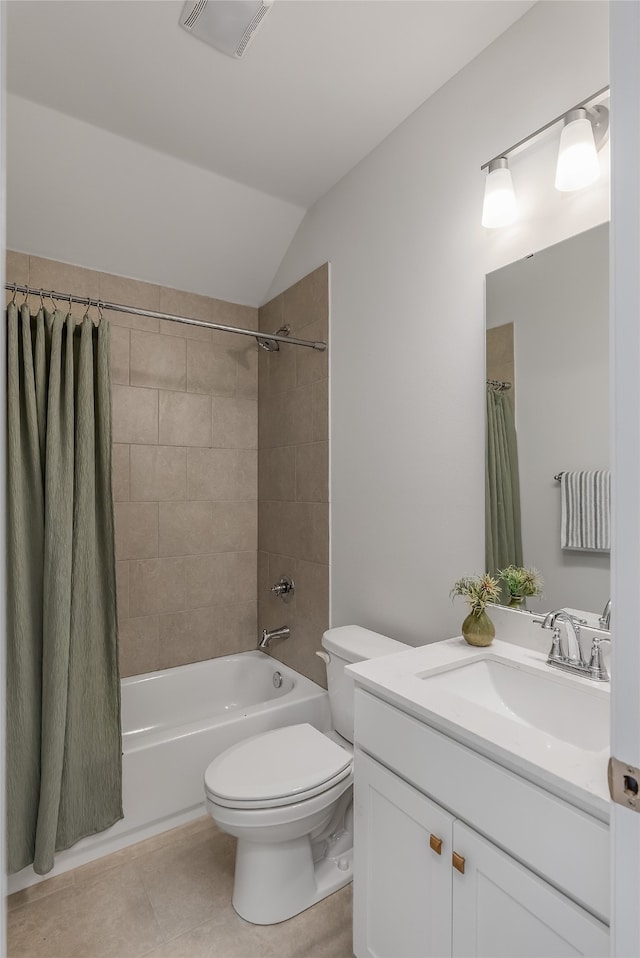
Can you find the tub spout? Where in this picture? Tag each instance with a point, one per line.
(281, 633)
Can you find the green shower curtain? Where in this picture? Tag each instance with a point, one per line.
(503, 536)
(63, 693)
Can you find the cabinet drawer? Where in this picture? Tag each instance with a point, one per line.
(561, 843)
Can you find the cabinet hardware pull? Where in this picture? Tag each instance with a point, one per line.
(458, 862)
(436, 844)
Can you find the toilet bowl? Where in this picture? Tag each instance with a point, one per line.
(286, 795)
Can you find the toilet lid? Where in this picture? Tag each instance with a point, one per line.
(284, 764)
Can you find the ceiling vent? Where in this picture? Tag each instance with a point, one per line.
(227, 25)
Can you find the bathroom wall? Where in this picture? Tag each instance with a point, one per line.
(408, 257)
(293, 474)
(185, 417)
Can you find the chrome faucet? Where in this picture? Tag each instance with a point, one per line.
(572, 654)
(267, 636)
(605, 618)
(568, 655)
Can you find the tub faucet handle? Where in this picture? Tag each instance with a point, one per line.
(284, 588)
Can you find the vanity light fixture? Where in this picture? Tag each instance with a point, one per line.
(585, 131)
(499, 198)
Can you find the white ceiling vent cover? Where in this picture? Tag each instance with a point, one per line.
(227, 25)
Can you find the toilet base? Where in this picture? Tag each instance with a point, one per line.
(270, 888)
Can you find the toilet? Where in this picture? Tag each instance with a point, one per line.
(286, 795)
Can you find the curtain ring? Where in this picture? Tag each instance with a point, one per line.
(100, 313)
(13, 298)
(41, 299)
(86, 312)
(53, 302)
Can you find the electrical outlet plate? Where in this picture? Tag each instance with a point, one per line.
(624, 784)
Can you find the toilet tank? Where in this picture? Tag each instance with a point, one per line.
(344, 646)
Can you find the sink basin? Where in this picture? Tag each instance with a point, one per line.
(561, 709)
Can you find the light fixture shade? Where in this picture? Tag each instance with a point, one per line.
(578, 164)
(500, 206)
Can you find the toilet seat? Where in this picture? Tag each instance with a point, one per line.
(277, 768)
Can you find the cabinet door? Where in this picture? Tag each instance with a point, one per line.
(502, 910)
(401, 884)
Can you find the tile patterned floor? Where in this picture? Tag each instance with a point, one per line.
(168, 897)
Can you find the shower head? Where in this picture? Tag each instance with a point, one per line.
(272, 345)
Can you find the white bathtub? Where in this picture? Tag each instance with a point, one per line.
(173, 724)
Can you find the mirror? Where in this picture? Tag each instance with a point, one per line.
(548, 335)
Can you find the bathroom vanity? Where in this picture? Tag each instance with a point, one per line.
(481, 806)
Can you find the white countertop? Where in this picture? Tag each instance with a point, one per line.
(576, 774)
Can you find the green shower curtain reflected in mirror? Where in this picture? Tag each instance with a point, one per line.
(63, 772)
(503, 535)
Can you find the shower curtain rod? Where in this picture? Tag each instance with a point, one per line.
(135, 311)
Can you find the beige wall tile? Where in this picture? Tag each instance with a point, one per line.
(235, 314)
(139, 646)
(185, 419)
(119, 337)
(311, 364)
(286, 418)
(184, 330)
(120, 471)
(157, 585)
(158, 361)
(122, 589)
(196, 635)
(129, 292)
(222, 579)
(277, 473)
(298, 529)
(320, 410)
(211, 369)
(190, 305)
(307, 301)
(63, 278)
(222, 473)
(17, 268)
(271, 315)
(234, 527)
(158, 472)
(235, 423)
(282, 368)
(185, 528)
(130, 321)
(312, 472)
(136, 530)
(135, 414)
(247, 372)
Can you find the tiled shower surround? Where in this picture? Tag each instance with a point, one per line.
(185, 465)
(293, 471)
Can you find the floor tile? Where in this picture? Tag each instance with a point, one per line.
(111, 918)
(166, 897)
(189, 882)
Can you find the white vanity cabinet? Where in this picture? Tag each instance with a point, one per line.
(520, 899)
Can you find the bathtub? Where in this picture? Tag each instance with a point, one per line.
(177, 721)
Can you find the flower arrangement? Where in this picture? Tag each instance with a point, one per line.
(478, 590)
(521, 582)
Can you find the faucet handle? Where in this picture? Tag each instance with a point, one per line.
(597, 668)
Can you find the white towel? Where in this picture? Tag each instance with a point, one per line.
(586, 510)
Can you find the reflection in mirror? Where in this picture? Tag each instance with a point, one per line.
(548, 335)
